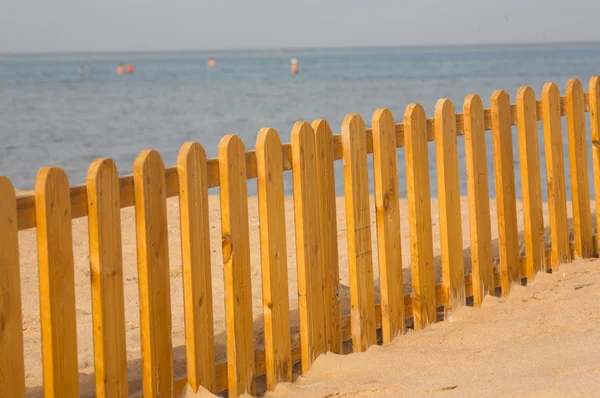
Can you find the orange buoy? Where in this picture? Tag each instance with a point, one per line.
(294, 66)
(120, 69)
(211, 63)
(129, 69)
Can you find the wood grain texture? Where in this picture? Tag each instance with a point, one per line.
(594, 109)
(387, 211)
(196, 266)
(479, 202)
(358, 226)
(453, 273)
(555, 174)
(308, 250)
(12, 367)
(106, 269)
(328, 234)
(57, 283)
(236, 262)
(580, 190)
(531, 182)
(506, 202)
(153, 274)
(419, 217)
(273, 254)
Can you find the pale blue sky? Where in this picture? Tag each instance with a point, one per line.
(138, 25)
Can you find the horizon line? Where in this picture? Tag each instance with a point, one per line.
(301, 48)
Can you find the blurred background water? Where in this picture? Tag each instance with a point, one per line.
(52, 115)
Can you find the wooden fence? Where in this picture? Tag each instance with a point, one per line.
(311, 156)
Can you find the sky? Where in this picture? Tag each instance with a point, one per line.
(144, 25)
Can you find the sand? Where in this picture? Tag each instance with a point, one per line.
(29, 282)
(542, 340)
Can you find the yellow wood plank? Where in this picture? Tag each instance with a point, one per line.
(57, 284)
(12, 368)
(594, 109)
(580, 190)
(531, 182)
(358, 227)
(453, 273)
(273, 253)
(387, 209)
(479, 202)
(419, 217)
(328, 234)
(106, 267)
(196, 267)
(508, 232)
(555, 173)
(236, 263)
(308, 249)
(153, 274)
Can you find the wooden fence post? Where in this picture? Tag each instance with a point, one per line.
(106, 267)
(358, 226)
(308, 250)
(12, 368)
(57, 283)
(387, 207)
(594, 106)
(508, 232)
(273, 253)
(530, 177)
(196, 267)
(555, 171)
(328, 233)
(479, 201)
(449, 206)
(419, 217)
(153, 274)
(236, 262)
(580, 190)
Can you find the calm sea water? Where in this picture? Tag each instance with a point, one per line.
(52, 115)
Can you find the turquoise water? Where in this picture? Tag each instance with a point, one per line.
(52, 115)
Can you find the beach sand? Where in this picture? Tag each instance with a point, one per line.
(30, 289)
(540, 341)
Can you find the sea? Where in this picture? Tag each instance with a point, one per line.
(52, 115)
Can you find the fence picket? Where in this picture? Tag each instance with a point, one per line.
(308, 256)
(106, 266)
(449, 205)
(273, 253)
(387, 207)
(236, 262)
(153, 274)
(12, 368)
(508, 232)
(555, 173)
(328, 234)
(530, 177)
(580, 190)
(57, 283)
(196, 266)
(358, 226)
(419, 217)
(594, 109)
(479, 202)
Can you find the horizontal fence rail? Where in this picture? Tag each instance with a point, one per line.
(310, 156)
(26, 203)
